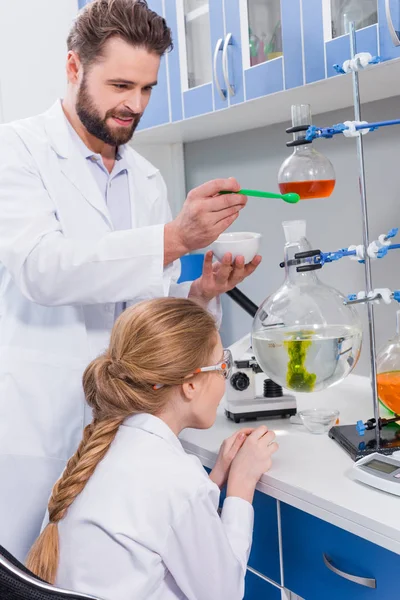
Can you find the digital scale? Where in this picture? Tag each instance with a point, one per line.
(379, 471)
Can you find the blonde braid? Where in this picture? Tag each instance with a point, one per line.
(44, 555)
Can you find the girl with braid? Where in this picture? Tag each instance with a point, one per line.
(133, 517)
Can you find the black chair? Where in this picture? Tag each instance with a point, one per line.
(18, 583)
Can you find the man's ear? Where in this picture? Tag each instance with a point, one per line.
(73, 67)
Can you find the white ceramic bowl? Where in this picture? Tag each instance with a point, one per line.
(238, 244)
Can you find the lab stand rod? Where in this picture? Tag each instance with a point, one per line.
(364, 211)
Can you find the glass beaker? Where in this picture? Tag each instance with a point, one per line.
(304, 336)
(388, 368)
(306, 172)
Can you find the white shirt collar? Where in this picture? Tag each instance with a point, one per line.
(153, 425)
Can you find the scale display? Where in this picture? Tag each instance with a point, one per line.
(379, 465)
(381, 472)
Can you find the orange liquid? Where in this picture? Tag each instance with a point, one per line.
(389, 390)
(309, 189)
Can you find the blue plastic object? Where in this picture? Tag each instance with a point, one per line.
(191, 267)
(392, 233)
(360, 428)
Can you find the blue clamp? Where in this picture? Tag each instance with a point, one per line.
(385, 249)
(382, 252)
(375, 60)
(396, 295)
(360, 428)
(352, 297)
(339, 69)
(392, 233)
(324, 132)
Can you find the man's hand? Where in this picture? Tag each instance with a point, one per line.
(229, 448)
(219, 278)
(204, 216)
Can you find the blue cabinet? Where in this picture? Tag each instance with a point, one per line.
(158, 109)
(257, 588)
(264, 556)
(231, 51)
(207, 36)
(314, 549)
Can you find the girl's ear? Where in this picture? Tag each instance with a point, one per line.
(189, 390)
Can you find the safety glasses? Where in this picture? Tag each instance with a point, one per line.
(224, 367)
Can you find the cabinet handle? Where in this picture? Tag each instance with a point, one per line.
(365, 581)
(225, 70)
(392, 31)
(217, 50)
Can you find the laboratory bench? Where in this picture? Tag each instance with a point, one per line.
(317, 532)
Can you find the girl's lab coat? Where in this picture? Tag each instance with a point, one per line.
(62, 268)
(146, 525)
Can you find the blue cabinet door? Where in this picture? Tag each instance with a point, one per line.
(257, 588)
(268, 27)
(173, 64)
(205, 98)
(235, 60)
(264, 556)
(389, 25)
(313, 40)
(292, 43)
(305, 541)
(158, 109)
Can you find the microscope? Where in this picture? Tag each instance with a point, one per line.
(249, 394)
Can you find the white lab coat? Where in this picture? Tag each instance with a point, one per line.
(62, 268)
(146, 527)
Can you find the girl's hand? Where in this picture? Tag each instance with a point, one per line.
(229, 448)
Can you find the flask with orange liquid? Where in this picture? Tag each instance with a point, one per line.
(306, 172)
(388, 363)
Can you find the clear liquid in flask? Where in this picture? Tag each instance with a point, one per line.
(306, 359)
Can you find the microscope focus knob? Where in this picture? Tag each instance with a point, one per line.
(240, 381)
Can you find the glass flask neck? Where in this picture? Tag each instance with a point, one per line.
(292, 275)
(301, 116)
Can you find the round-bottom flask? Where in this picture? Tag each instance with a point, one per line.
(304, 337)
(388, 368)
(306, 172)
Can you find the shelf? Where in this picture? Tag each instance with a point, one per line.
(377, 82)
(197, 12)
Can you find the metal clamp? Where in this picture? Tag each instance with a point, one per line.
(225, 69)
(364, 581)
(392, 31)
(217, 50)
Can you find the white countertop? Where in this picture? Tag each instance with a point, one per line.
(310, 471)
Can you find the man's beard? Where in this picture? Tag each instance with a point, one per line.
(90, 118)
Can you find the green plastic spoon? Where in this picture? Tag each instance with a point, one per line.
(291, 197)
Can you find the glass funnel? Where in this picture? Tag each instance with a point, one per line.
(306, 172)
(304, 337)
(388, 368)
